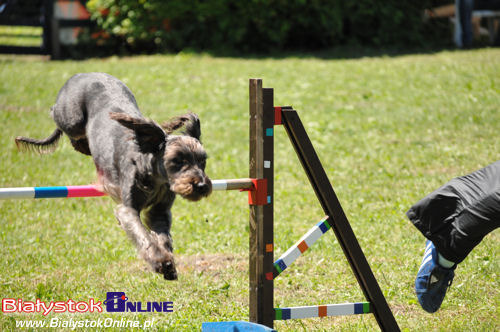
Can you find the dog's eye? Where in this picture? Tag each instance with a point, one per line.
(203, 161)
(178, 161)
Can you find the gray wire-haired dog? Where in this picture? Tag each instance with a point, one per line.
(139, 164)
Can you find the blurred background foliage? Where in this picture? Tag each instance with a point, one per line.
(259, 26)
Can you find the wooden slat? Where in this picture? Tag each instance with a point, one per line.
(8, 49)
(21, 21)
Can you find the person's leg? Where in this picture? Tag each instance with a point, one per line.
(455, 218)
(470, 227)
(480, 215)
(464, 10)
(433, 215)
(456, 241)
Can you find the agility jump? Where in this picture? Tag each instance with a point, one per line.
(264, 116)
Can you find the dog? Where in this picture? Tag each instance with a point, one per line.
(139, 163)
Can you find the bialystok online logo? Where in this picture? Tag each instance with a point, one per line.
(115, 302)
(118, 302)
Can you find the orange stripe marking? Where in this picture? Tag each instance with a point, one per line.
(322, 311)
(302, 246)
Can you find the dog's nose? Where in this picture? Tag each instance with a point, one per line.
(202, 188)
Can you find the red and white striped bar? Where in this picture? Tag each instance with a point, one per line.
(91, 191)
(322, 310)
(301, 246)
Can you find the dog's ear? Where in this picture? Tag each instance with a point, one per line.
(149, 136)
(189, 121)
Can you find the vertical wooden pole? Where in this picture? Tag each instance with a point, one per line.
(261, 216)
(48, 14)
(55, 48)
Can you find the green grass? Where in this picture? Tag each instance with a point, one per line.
(388, 130)
(20, 36)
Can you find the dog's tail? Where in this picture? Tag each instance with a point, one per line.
(42, 146)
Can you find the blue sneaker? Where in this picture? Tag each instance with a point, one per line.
(432, 280)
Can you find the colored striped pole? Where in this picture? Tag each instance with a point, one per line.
(300, 246)
(50, 192)
(322, 310)
(91, 191)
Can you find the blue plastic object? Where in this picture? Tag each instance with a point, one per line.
(238, 326)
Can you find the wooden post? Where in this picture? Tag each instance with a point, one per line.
(261, 216)
(55, 47)
(48, 15)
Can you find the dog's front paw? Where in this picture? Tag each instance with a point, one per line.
(161, 261)
(168, 270)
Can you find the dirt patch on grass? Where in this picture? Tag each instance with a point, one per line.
(203, 263)
(406, 310)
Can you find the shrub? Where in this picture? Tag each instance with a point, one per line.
(256, 25)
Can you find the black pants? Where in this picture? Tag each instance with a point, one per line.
(457, 216)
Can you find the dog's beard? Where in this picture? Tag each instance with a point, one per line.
(185, 188)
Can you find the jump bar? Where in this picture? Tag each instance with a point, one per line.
(50, 192)
(322, 310)
(301, 246)
(232, 184)
(91, 191)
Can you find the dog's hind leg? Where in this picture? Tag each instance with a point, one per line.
(147, 243)
(81, 145)
(71, 118)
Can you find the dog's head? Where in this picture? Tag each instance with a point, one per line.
(185, 158)
(182, 157)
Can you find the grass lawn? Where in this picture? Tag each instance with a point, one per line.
(20, 36)
(388, 130)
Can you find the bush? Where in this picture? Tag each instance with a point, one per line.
(256, 25)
